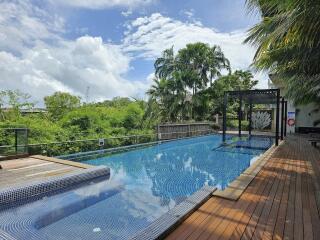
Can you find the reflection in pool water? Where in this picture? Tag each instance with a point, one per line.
(144, 184)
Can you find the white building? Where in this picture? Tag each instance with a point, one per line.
(305, 118)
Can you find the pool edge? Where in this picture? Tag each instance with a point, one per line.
(102, 152)
(62, 161)
(19, 193)
(164, 225)
(237, 187)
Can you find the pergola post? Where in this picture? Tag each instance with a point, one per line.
(240, 113)
(250, 116)
(258, 96)
(282, 117)
(285, 117)
(277, 117)
(224, 122)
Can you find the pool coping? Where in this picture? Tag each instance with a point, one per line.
(237, 187)
(62, 161)
(21, 192)
(164, 225)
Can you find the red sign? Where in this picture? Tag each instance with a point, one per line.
(291, 122)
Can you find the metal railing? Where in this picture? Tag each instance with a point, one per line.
(67, 147)
(86, 145)
(14, 139)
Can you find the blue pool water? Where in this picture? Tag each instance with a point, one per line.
(144, 184)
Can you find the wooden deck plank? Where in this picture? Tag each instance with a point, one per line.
(250, 228)
(195, 219)
(306, 213)
(289, 222)
(298, 224)
(248, 199)
(315, 214)
(282, 201)
(234, 215)
(203, 231)
(246, 216)
(271, 220)
(261, 225)
(280, 221)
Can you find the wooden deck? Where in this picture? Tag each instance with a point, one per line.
(282, 202)
(19, 171)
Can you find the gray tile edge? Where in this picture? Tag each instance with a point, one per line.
(21, 192)
(169, 221)
(256, 166)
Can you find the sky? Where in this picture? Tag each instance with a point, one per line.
(100, 49)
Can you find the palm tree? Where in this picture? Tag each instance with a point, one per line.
(206, 62)
(164, 93)
(165, 65)
(217, 62)
(288, 45)
(193, 67)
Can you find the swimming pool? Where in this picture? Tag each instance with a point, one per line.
(144, 184)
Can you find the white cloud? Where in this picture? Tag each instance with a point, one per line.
(148, 36)
(188, 13)
(100, 4)
(126, 13)
(23, 25)
(72, 66)
(35, 59)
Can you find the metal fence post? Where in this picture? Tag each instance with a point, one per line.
(224, 126)
(277, 117)
(16, 141)
(285, 117)
(240, 114)
(282, 117)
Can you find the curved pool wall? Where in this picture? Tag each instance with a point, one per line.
(34, 190)
(145, 184)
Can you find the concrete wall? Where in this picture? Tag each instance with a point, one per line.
(306, 116)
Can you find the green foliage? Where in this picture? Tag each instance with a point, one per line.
(60, 103)
(288, 45)
(239, 80)
(233, 124)
(133, 117)
(117, 117)
(116, 102)
(192, 68)
(41, 129)
(170, 98)
(13, 101)
(215, 127)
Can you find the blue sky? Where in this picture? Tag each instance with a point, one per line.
(110, 45)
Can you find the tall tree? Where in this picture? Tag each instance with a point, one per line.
(288, 45)
(193, 67)
(14, 100)
(165, 65)
(60, 103)
(239, 80)
(207, 62)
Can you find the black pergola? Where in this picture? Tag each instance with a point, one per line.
(258, 96)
